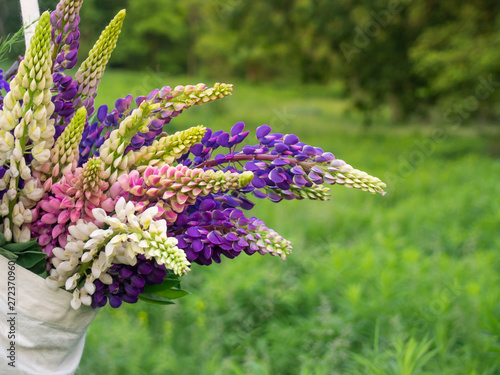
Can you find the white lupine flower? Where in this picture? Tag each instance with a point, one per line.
(7, 120)
(73, 247)
(92, 243)
(56, 262)
(88, 256)
(96, 271)
(106, 278)
(7, 231)
(120, 209)
(60, 253)
(6, 141)
(72, 282)
(110, 249)
(82, 230)
(31, 191)
(4, 208)
(36, 194)
(27, 216)
(89, 285)
(16, 233)
(65, 266)
(98, 249)
(14, 172)
(76, 302)
(85, 298)
(99, 214)
(19, 130)
(42, 156)
(134, 237)
(11, 194)
(9, 102)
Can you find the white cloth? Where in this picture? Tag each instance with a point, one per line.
(49, 334)
(30, 12)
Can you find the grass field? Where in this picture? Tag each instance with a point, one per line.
(407, 283)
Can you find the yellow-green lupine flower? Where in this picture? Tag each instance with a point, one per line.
(161, 104)
(167, 149)
(33, 129)
(315, 192)
(65, 154)
(112, 151)
(353, 178)
(90, 72)
(31, 85)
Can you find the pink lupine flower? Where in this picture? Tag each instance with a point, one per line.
(73, 198)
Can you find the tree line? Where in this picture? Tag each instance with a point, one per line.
(411, 56)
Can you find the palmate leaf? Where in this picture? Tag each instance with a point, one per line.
(164, 293)
(28, 255)
(8, 254)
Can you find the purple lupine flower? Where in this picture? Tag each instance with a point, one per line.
(173, 102)
(4, 86)
(211, 228)
(283, 167)
(93, 136)
(65, 89)
(128, 282)
(65, 33)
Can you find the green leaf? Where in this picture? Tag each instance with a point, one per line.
(28, 259)
(172, 293)
(17, 247)
(3, 241)
(155, 299)
(8, 254)
(167, 284)
(40, 268)
(28, 255)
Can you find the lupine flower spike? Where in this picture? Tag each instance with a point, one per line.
(121, 208)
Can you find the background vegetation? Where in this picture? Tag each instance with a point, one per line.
(414, 56)
(402, 284)
(407, 283)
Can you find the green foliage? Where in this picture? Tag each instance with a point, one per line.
(409, 56)
(28, 255)
(453, 56)
(407, 283)
(8, 42)
(164, 293)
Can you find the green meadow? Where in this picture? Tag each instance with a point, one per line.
(402, 284)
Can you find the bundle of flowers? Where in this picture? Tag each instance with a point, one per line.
(106, 205)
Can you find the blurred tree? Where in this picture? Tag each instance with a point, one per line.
(458, 54)
(366, 46)
(407, 55)
(259, 38)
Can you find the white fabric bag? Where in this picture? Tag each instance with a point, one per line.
(49, 334)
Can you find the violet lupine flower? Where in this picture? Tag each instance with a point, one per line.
(65, 34)
(207, 230)
(93, 137)
(128, 282)
(283, 167)
(4, 85)
(65, 90)
(171, 101)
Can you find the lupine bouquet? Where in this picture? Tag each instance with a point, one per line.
(107, 205)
